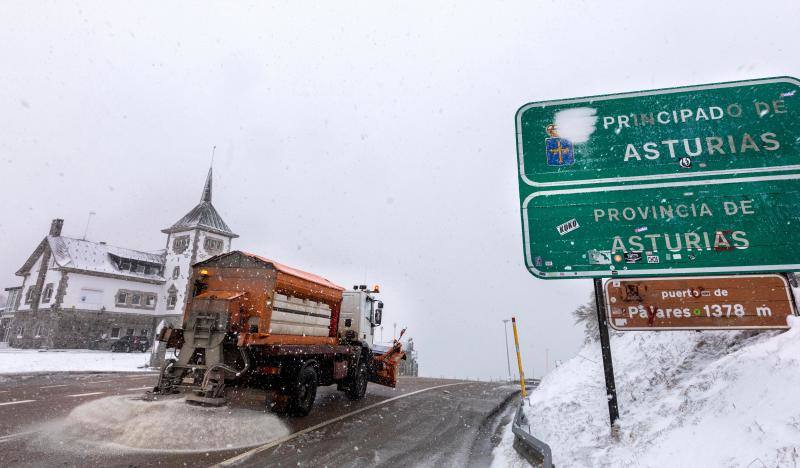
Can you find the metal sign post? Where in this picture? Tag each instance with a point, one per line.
(605, 346)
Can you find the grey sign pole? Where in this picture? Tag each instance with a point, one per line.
(605, 346)
(508, 359)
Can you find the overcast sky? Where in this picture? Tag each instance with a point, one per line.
(369, 143)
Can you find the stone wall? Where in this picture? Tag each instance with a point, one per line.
(74, 329)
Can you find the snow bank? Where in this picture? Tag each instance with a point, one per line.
(686, 399)
(30, 360)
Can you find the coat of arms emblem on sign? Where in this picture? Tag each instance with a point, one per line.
(558, 150)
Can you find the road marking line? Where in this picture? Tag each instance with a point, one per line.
(100, 381)
(244, 456)
(54, 386)
(142, 376)
(14, 436)
(15, 402)
(139, 388)
(85, 394)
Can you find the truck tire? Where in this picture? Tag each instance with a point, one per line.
(304, 392)
(357, 387)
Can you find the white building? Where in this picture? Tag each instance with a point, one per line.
(75, 291)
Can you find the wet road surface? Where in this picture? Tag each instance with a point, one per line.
(423, 422)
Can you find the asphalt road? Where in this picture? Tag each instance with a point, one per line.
(423, 422)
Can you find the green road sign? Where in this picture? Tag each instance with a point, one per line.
(725, 129)
(700, 188)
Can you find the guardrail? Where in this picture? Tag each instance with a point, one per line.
(531, 448)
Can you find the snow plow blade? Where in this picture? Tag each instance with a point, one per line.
(384, 365)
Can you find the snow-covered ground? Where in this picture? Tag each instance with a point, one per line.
(686, 399)
(31, 360)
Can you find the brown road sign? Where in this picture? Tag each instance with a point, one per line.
(699, 303)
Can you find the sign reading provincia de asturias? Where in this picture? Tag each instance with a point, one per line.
(693, 180)
(699, 303)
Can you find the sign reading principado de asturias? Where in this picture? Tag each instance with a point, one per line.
(694, 180)
(699, 303)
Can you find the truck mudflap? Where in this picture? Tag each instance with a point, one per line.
(384, 366)
(173, 337)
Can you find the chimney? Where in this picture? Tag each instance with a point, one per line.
(55, 227)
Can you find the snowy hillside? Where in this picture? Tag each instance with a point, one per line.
(686, 399)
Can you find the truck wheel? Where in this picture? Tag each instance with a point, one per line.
(358, 386)
(305, 391)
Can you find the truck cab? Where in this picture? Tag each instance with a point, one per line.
(361, 312)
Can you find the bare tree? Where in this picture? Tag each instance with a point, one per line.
(586, 314)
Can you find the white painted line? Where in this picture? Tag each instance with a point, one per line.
(3, 391)
(54, 386)
(142, 376)
(15, 402)
(100, 381)
(85, 394)
(14, 436)
(244, 456)
(139, 388)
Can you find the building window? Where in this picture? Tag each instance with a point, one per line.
(129, 332)
(48, 293)
(176, 272)
(172, 299)
(136, 299)
(20, 331)
(29, 294)
(115, 333)
(39, 331)
(125, 264)
(144, 332)
(13, 295)
(180, 244)
(213, 245)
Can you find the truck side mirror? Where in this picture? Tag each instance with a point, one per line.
(380, 304)
(378, 317)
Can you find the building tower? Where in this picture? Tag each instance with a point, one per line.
(197, 236)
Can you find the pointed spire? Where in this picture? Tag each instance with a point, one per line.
(203, 216)
(207, 189)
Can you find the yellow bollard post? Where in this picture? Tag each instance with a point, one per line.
(519, 358)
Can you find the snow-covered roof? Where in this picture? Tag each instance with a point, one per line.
(96, 257)
(203, 216)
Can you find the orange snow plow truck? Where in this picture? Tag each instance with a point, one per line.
(254, 322)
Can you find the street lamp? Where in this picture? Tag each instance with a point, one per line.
(508, 358)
